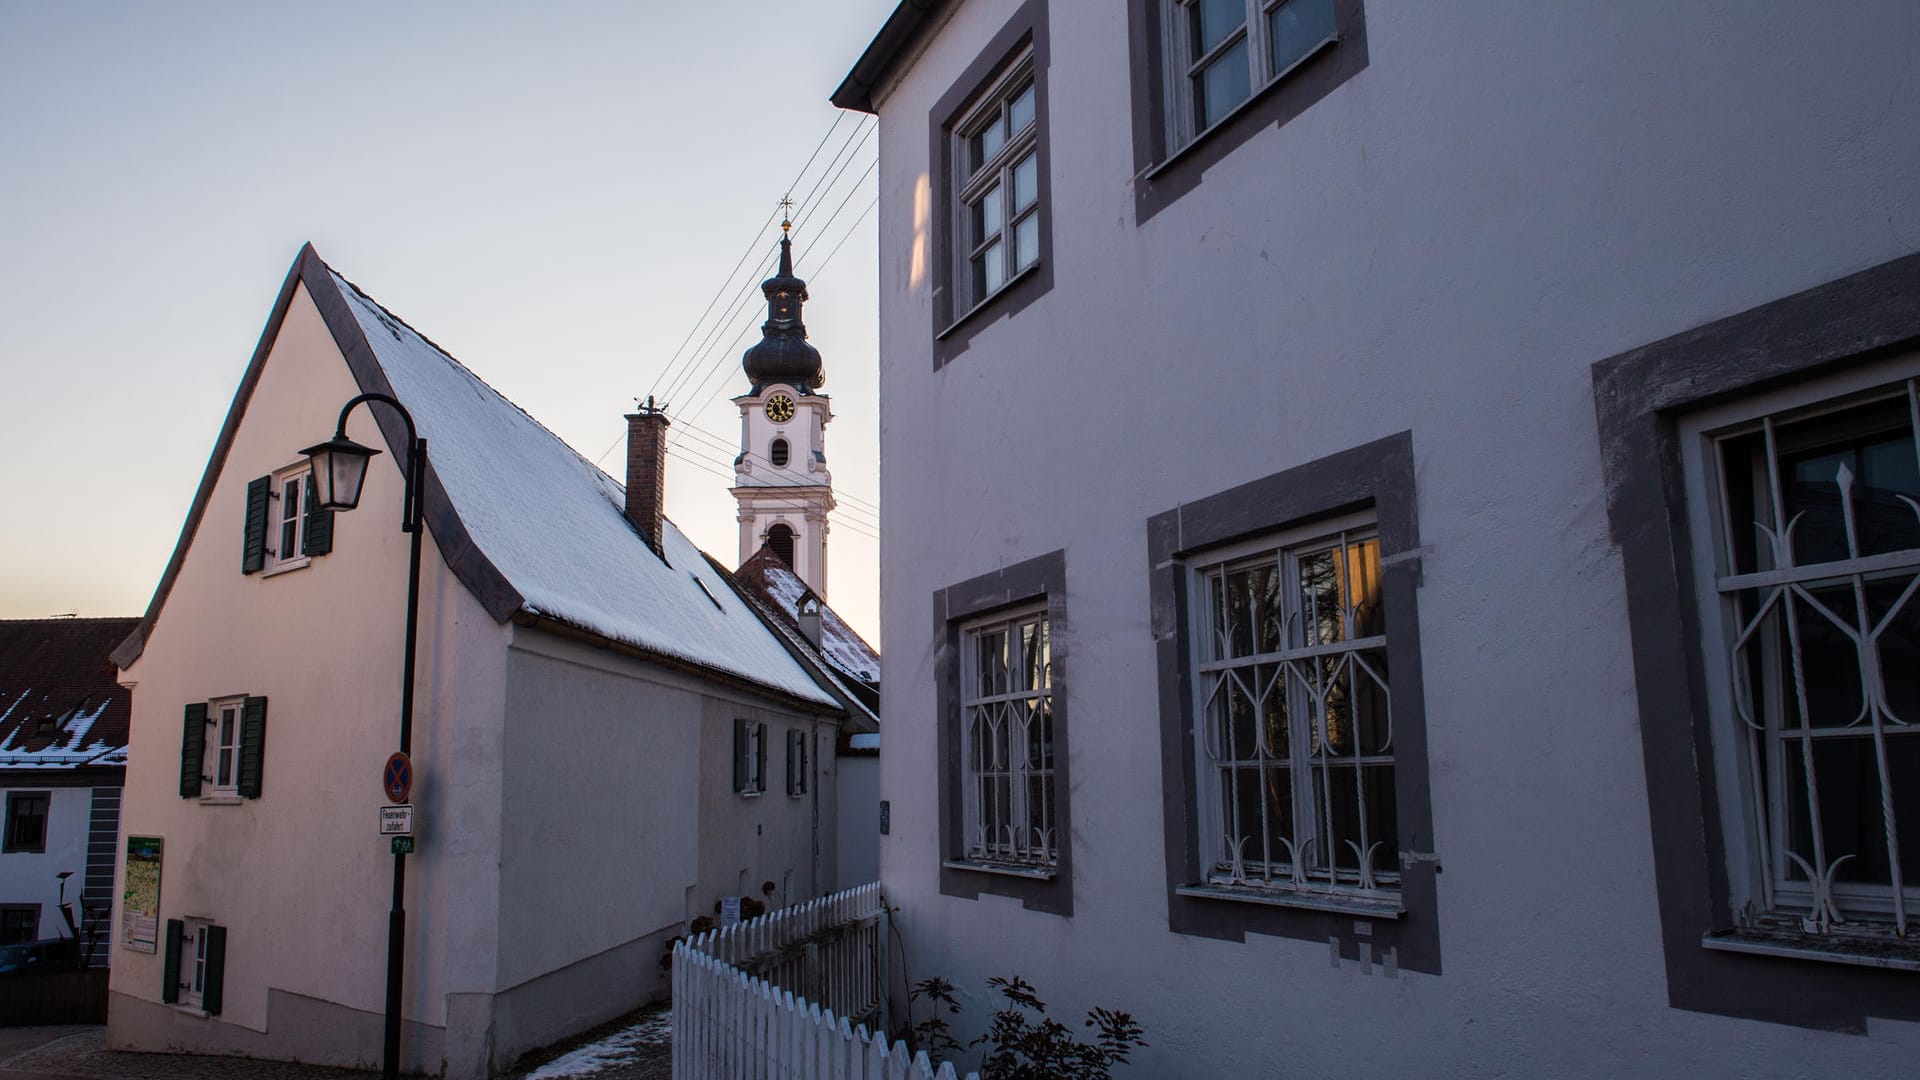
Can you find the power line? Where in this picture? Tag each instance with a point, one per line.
(721, 445)
(706, 465)
(751, 244)
(743, 298)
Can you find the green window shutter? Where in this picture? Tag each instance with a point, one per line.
(213, 989)
(193, 749)
(760, 757)
(253, 747)
(739, 755)
(253, 554)
(170, 968)
(319, 531)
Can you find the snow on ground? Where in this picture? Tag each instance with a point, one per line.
(623, 1047)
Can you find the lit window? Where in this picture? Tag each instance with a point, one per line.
(1295, 737)
(1814, 661)
(1006, 717)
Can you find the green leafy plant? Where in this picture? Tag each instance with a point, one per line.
(1023, 1042)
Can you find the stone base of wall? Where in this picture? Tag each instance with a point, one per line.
(548, 1008)
(299, 1028)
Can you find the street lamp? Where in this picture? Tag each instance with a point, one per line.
(339, 469)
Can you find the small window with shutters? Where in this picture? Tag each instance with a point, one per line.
(223, 749)
(285, 528)
(796, 763)
(749, 757)
(193, 974)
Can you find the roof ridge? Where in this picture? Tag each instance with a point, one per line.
(470, 373)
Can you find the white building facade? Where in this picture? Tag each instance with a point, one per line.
(1340, 456)
(600, 728)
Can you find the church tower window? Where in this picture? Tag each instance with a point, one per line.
(778, 453)
(780, 539)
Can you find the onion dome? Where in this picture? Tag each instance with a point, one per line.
(782, 355)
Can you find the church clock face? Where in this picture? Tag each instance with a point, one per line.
(779, 408)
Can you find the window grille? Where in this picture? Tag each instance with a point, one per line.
(1007, 727)
(1817, 565)
(1295, 725)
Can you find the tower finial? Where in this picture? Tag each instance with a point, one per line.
(786, 213)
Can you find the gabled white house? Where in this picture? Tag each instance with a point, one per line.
(1402, 530)
(597, 719)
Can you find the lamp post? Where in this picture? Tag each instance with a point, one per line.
(339, 470)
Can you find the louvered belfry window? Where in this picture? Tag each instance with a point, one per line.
(1294, 713)
(1007, 727)
(1815, 582)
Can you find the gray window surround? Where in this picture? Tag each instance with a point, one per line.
(1163, 174)
(1380, 475)
(1043, 577)
(1639, 398)
(953, 330)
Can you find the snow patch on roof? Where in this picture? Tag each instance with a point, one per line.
(70, 745)
(842, 647)
(552, 522)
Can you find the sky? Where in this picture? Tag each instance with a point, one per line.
(553, 193)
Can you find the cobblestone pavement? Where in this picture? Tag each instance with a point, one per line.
(85, 1054)
(634, 1047)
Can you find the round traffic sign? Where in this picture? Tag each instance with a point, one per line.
(397, 778)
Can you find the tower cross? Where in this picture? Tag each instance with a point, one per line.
(786, 211)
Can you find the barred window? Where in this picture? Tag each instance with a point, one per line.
(1007, 730)
(1295, 728)
(1815, 541)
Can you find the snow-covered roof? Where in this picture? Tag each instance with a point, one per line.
(776, 583)
(551, 522)
(60, 707)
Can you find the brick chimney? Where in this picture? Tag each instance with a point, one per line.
(647, 470)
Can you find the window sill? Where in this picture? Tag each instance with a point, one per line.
(1891, 955)
(1375, 905)
(286, 567)
(221, 800)
(1028, 873)
(1233, 114)
(988, 301)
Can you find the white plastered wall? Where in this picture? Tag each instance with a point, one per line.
(1444, 244)
(299, 877)
(32, 877)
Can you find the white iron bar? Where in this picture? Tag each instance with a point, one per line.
(1307, 652)
(1834, 573)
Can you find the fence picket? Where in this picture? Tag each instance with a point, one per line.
(794, 994)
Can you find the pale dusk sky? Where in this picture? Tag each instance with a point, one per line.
(552, 193)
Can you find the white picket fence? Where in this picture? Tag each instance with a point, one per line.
(737, 1016)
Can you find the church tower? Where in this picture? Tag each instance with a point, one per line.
(780, 478)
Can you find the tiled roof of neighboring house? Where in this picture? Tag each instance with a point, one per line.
(770, 578)
(534, 530)
(861, 699)
(60, 707)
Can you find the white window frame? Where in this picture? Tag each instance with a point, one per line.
(1362, 878)
(211, 786)
(278, 560)
(799, 751)
(1183, 126)
(1763, 890)
(971, 184)
(1031, 842)
(193, 964)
